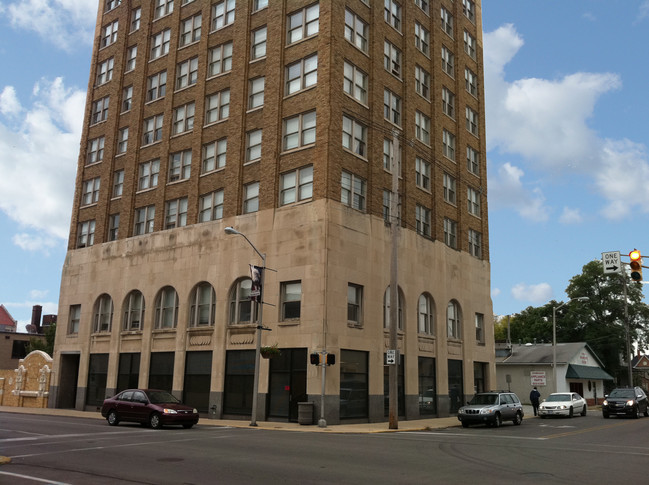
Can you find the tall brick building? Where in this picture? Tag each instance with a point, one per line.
(284, 120)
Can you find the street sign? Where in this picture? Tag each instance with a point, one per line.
(611, 261)
(391, 357)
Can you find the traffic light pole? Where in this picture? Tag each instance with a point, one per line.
(322, 423)
(395, 223)
(628, 334)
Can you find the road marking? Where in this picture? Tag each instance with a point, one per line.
(34, 479)
(585, 430)
(473, 435)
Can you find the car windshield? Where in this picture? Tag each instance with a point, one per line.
(623, 393)
(484, 399)
(162, 397)
(559, 397)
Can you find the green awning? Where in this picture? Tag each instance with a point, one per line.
(587, 372)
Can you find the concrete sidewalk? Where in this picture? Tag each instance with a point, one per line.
(382, 427)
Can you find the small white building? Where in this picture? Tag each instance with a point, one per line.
(519, 368)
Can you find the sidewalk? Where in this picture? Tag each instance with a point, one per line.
(382, 427)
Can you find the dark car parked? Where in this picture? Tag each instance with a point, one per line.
(148, 406)
(625, 402)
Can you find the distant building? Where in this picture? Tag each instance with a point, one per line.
(7, 323)
(640, 365)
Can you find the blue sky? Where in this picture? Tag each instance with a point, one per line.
(567, 137)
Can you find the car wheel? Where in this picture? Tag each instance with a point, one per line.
(584, 410)
(154, 421)
(518, 419)
(605, 415)
(187, 425)
(498, 421)
(635, 412)
(570, 413)
(646, 411)
(112, 418)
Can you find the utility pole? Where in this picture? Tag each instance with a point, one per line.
(629, 354)
(395, 224)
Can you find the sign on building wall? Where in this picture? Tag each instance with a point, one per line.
(537, 378)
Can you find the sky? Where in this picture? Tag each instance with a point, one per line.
(567, 135)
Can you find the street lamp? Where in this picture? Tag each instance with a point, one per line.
(554, 337)
(255, 389)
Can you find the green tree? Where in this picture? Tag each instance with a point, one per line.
(46, 345)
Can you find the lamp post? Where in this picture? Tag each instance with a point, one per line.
(255, 389)
(554, 337)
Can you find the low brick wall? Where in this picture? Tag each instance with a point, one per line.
(28, 385)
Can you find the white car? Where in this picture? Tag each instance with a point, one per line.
(563, 404)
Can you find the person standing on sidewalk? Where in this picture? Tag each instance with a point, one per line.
(535, 395)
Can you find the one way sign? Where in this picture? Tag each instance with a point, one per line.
(611, 261)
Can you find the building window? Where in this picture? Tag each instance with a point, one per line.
(136, 16)
(133, 311)
(391, 107)
(166, 308)
(356, 30)
(253, 145)
(423, 4)
(113, 227)
(302, 74)
(220, 59)
(162, 8)
(472, 121)
(109, 34)
(190, 30)
(214, 155)
(426, 314)
(468, 8)
(258, 43)
(422, 82)
(156, 86)
(105, 71)
(450, 192)
(296, 185)
(291, 299)
(95, 151)
(422, 127)
(386, 309)
(475, 243)
(472, 161)
(479, 328)
(448, 61)
(242, 309)
(469, 44)
(131, 55)
(448, 102)
(184, 118)
(118, 183)
(251, 197)
(223, 14)
(144, 219)
(160, 44)
(103, 314)
(473, 201)
(422, 39)
(353, 191)
(127, 98)
(148, 174)
(354, 136)
(180, 164)
(392, 14)
(176, 213)
(299, 131)
(99, 110)
(387, 205)
(122, 140)
(355, 82)
(447, 21)
(74, 320)
(85, 234)
(453, 320)
(259, 5)
(450, 233)
(187, 73)
(422, 218)
(211, 206)
(111, 4)
(203, 305)
(152, 130)
(303, 23)
(448, 144)
(392, 58)
(422, 173)
(355, 304)
(256, 93)
(471, 81)
(217, 106)
(90, 191)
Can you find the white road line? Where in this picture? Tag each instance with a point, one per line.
(34, 479)
(467, 435)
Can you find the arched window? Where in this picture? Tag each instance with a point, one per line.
(386, 308)
(425, 314)
(202, 305)
(242, 309)
(133, 311)
(166, 308)
(103, 314)
(454, 320)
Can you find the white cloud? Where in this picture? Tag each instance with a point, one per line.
(63, 23)
(532, 293)
(495, 292)
(31, 242)
(571, 216)
(38, 294)
(643, 11)
(506, 190)
(38, 164)
(9, 104)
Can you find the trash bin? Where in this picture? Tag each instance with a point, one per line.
(305, 413)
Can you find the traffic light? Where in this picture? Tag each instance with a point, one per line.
(315, 358)
(331, 359)
(636, 265)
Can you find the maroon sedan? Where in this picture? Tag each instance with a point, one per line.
(148, 406)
